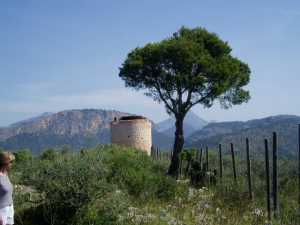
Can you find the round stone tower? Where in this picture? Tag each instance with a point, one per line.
(133, 131)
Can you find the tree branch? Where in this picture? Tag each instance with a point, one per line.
(163, 98)
(198, 101)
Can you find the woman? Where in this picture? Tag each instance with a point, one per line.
(6, 189)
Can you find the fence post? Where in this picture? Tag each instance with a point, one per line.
(233, 162)
(207, 158)
(160, 155)
(200, 160)
(248, 169)
(220, 162)
(151, 152)
(180, 167)
(268, 179)
(275, 182)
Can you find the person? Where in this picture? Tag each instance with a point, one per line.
(6, 190)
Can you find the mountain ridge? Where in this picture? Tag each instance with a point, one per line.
(77, 128)
(256, 130)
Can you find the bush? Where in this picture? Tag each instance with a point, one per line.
(76, 184)
(49, 154)
(68, 183)
(110, 209)
(137, 173)
(23, 156)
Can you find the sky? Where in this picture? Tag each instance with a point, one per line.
(66, 54)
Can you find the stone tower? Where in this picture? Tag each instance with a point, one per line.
(133, 131)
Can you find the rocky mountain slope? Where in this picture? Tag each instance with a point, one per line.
(257, 130)
(75, 128)
(89, 127)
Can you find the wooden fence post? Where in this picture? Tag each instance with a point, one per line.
(200, 160)
(248, 169)
(220, 162)
(207, 158)
(233, 162)
(180, 167)
(153, 152)
(268, 179)
(275, 182)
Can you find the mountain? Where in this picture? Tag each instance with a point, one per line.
(256, 130)
(191, 124)
(75, 128)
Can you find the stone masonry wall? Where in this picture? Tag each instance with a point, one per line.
(134, 133)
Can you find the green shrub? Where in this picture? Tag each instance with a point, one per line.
(49, 154)
(23, 155)
(68, 183)
(137, 173)
(110, 209)
(82, 183)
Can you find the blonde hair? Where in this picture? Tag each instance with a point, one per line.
(6, 158)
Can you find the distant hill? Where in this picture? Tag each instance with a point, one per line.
(75, 128)
(191, 123)
(89, 127)
(256, 130)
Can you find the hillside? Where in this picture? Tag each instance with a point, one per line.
(75, 128)
(256, 130)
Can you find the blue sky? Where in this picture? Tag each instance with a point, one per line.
(65, 54)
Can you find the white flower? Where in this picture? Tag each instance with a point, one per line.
(206, 205)
(258, 212)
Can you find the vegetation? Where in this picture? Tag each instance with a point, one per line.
(115, 185)
(73, 188)
(191, 67)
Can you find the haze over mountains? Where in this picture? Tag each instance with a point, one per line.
(191, 123)
(286, 127)
(89, 127)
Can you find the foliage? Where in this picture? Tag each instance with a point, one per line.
(193, 62)
(115, 185)
(192, 67)
(108, 210)
(49, 154)
(139, 175)
(23, 156)
(73, 184)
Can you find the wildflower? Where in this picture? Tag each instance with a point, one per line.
(224, 217)
(183, 181)
(258, 212)
(206, 205)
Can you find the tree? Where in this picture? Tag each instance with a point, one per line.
(23, 155)
(49, 154)
(191, 67)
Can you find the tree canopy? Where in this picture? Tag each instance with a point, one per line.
(191, 67)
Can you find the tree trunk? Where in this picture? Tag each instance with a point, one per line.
(178, 145)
